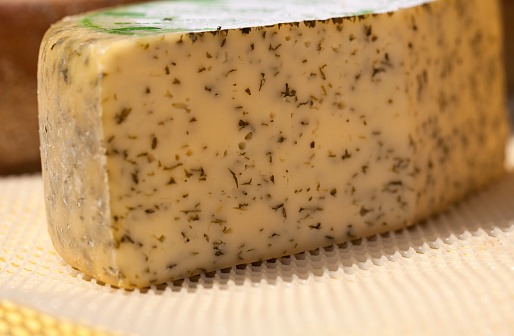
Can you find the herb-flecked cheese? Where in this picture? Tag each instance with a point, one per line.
(182, 137)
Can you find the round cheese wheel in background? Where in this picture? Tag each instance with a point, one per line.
(22, 26)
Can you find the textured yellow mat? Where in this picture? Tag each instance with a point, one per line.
(453, 275)
(17, 320)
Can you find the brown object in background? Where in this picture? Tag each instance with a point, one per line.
(508, 21)
(22, 26)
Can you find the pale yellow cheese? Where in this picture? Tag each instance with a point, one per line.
(168, 154)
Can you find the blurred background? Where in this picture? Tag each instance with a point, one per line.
(508, 22)
(22, 25)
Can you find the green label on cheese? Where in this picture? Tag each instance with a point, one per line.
(209, 15)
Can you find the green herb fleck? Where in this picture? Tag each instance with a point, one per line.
(315, 227)
(288, 92)
(234, 176)
(135, 177)
(123, 115)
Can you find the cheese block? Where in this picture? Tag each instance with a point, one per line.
(182, 137)
(22, 26)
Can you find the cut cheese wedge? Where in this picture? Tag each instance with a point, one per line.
(183, 137)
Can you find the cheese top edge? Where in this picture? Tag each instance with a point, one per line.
(210, 15)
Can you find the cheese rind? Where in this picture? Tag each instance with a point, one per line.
(169, 154)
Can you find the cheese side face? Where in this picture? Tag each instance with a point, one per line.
(174, 152)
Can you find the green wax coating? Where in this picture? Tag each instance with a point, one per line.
(208, 15)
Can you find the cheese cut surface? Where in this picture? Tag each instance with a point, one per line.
(173, 145)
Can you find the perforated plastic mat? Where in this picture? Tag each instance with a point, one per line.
(452, 275)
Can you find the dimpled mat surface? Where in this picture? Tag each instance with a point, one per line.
(453, 274)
